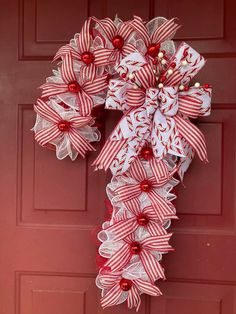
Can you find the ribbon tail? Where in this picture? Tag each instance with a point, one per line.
(128, 192)
(133, 299)
(47, 135)
(193, 136)
(147, 287)
(123, 228)
(108, 154)
(112, 297)
(120, 258)
(151, 266)
(52, 89)
(80, 144)
(162, 208)
(158, 243)
(160, 171)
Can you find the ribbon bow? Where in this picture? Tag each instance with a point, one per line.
(125, 225)
(144, 249)
(59, 128)
(118, 288)
(143, 184)
(160, 113)
(77, 87)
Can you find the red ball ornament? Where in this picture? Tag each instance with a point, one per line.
(135, 248)
(125, 284)
(145, 186)
(153, 50)
(173, 65)
(147, 153)
(64, 126)
(87, 57)
(142, 220)
(206, 86)
(118, 42)
(74, 87)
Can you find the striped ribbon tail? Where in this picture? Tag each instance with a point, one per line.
(193, 136)
(85, 103)
(65, 50)
(165, 31)
(123, 228)
(80, 144)
(161, 207)
(85, 39)
(158, 242)
(151, 265)
(128, 192)
(160, 171)
(108, 154)
(120, 258)
(52, 89)
(47, 135)
(102, 56)
(147, 287)
(46, 112)
(67, 71)
(139, 27)
(107, 26)
(112, 297)
(134, 299)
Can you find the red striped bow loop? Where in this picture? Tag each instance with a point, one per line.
(140, 218)
(118, 288)
(60, 128)
(165, 31)
(144, 249)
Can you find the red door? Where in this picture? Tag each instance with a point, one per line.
(49, 207)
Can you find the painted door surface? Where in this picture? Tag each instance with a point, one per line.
(49, 208)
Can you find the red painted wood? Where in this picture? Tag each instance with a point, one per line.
(50, 208)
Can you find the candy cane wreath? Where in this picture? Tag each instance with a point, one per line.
(134, 67)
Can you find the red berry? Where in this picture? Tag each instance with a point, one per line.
(173, 65)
